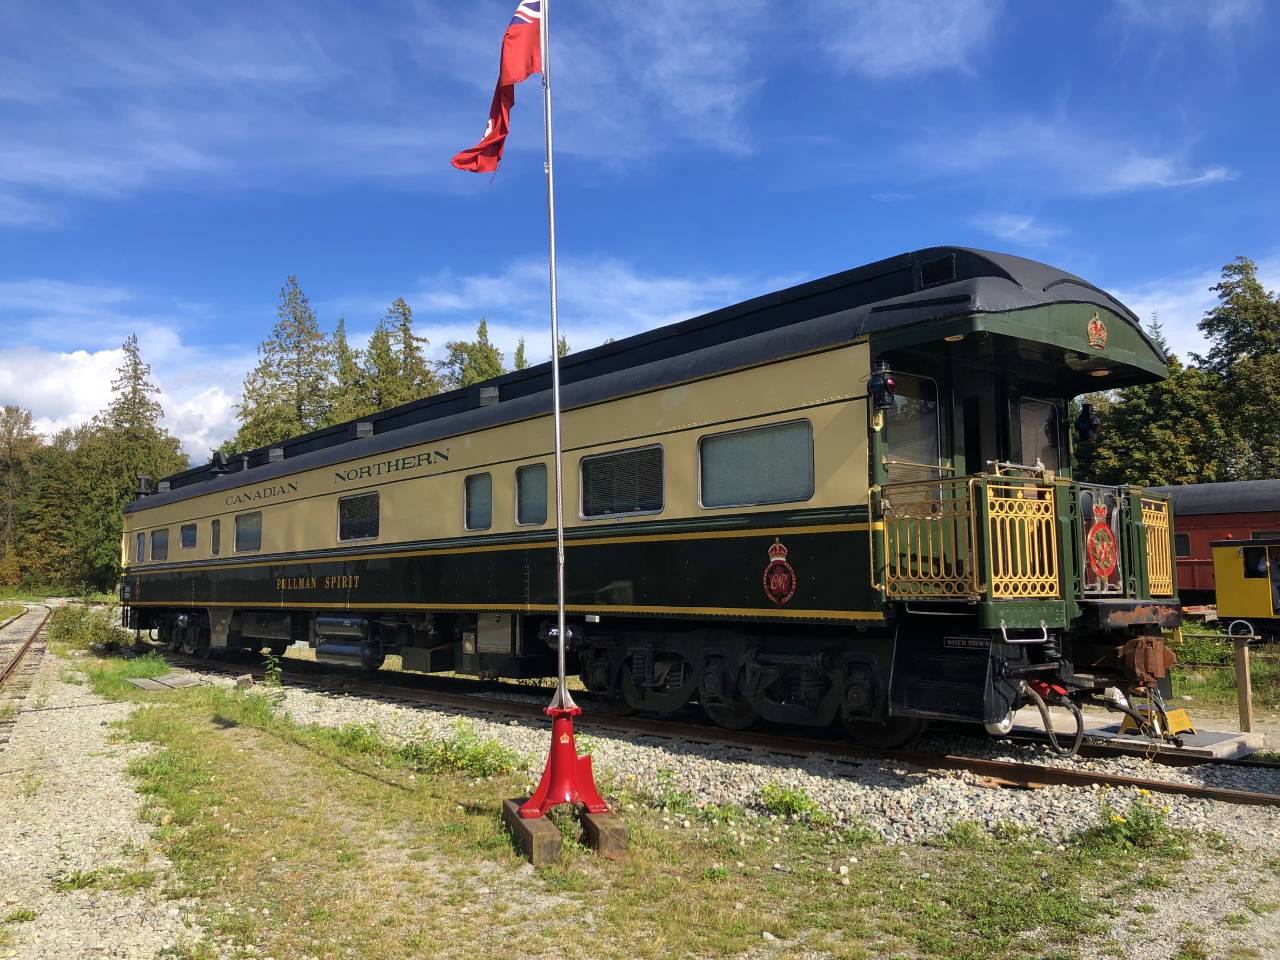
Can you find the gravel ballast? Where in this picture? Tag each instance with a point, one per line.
(67, 805)
(896, 803)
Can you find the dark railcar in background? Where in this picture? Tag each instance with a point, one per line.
(1239, 510)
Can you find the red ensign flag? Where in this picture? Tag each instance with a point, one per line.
(521, 56)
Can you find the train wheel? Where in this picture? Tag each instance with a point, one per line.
(889, 735)
(738, 713)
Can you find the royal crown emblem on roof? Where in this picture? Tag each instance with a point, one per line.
(1097, 332)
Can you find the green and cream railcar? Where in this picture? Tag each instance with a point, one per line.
(849, 499)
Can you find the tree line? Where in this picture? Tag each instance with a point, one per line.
(61, 497)
(305, 380)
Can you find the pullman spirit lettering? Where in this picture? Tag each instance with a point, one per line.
(347, 581)
(395, 465)
(263, 493)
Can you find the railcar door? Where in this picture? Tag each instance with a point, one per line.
(912, 432)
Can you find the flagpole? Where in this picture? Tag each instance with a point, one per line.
(561, 699)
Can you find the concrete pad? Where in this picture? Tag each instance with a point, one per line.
(604, 833)
(177, 680)
(539, 839)
(145, 683)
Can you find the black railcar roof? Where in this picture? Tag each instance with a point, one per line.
(1236, 496)
(930, 284)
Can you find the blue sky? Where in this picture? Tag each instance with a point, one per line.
(163, 167)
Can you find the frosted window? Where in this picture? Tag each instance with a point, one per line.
(771, 464)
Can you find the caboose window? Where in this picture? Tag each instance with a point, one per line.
(1255, 562)
(1038, 423)
(140, 548)
(479, 494)
(187, 536)
(626, 482)
(772, 464)
(531, 494)
(1182, 544)
(358, 517)
(160, 545)
(248, 531)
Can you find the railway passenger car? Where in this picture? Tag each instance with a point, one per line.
(1207, 512)
(849, 500)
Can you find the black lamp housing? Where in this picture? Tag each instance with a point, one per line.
(881, 386)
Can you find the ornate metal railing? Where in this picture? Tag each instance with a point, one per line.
(969, 538)
(930, 539)
(1156, 546)
(1023, 546)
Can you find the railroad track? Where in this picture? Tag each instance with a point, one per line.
(1005, 773)
(19, 635)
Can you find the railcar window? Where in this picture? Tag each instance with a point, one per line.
(160, 545)
(1038, 424)
(215, 536)
(772, 464)
(479, 495)
(187, 536)
(1260, 534)
(912, 431)
(626, 482)
(1182, 544)
(358, 517)
(1255, 562)
(248, 531)
(531, 494)
(140, 548)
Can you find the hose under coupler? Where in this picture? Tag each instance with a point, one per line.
(1054, 743)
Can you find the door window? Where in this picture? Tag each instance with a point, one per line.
(1038, 426)
(912, 430)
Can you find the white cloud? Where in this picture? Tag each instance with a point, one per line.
(1216, 15)
(883, 39)
(1062, 155)
(1018, 228)
(64, 347)
(1181, 300)
(599, 299)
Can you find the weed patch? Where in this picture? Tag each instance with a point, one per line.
(787, 801)
(79, 626)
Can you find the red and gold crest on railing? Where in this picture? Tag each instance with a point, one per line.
(1100, 544)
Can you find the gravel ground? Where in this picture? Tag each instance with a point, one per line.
(66, 804)
(899, 805)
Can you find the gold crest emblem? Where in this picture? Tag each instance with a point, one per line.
(1097, 332)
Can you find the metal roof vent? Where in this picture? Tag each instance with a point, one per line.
(938, 271)
(488, 396)
(362, 428)
(162, 486)
(275, 454)
(218, 463)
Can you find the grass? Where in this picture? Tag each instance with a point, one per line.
(109, 878)
(40, 592)
(79, 626)
(1212, 678)
(8, 610)
(20, 916)
(362, 846)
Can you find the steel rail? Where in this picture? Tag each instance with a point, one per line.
(7, 670)
(1005, 772)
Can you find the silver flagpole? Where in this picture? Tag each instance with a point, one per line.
(562, 699)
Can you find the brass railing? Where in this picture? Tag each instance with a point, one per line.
(1023, 540)
(1155, 530)
(930, 539)
(933, 548)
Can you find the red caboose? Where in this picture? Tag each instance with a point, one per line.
(1204, 512)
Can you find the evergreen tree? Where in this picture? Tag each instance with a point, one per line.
(563, 346)
(520, 360)
(349, 399)
(1244, 335)
(47, 547)
(472, 361)
(18, 441)
(287, 393)
(396, 369)
(1160, 433)
(122, 442)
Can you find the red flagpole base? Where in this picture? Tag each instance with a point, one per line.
(567, 777)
